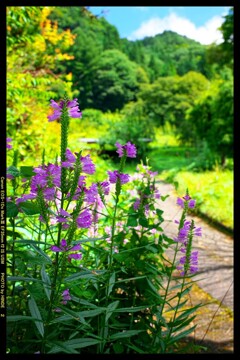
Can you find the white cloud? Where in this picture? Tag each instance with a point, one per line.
(141, 8)
(205, 34)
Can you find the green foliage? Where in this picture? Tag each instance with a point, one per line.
(211, 119)
(118, 300)
(132, 125)
(168, 98)
(115, 81)
(31, 58)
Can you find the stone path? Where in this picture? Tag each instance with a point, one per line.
(215, 249)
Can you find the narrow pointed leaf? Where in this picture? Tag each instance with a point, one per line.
(46, 282)
(124, 334)
(111, 283)
(36, 314)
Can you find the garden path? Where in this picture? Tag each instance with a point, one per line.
(215, 277)
(215, 249)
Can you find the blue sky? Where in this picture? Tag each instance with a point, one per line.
(199, 23)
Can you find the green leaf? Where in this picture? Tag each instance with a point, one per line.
(111, 283)
(155, 291)
(12, 170)
(21, 318)
(84, 275)
(14, 234)
(12, 209)
(163, 198)
(132, 309)
(111, 307)
(181, 323)
(46, 282)
(84, 302)
(36, 314)
(189, 311)
(21, 278)
(124, 334)
(132, 220)
(71, 315)
(130, 279)
(138, 350)
(42, 253)
(159, 215)
(181, 335)
(143, 222)
(91, 313)
(75, 344)
(29, 242)
(61, 347)
(118, 348)
(27, 171)
(29, 208)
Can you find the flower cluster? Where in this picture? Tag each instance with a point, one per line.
(185, 235)
(86, 162)
(65, 298)
(186, 199)
(114, 175)
(64, 248)
(73, 109)
(129, 150)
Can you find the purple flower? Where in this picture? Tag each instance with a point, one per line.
(105, 187)
(64, 247)
(73, 109)
(180, 202)
(47, 176)
(91, 193)
(70, 159)
(124, 178)
(84, 220)
(63, 216)
(66, 296)
(26, 197)
(9, 146)
(191, 202)
(136, 204)
(193, 262)
(128, 149)
(114, 175)
(87, 165)
(183, 232)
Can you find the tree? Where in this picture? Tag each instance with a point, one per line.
(115, 81)
(168, 98)
(34, 47)
(211, 118)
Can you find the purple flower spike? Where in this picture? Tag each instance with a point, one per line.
(180, 202)
(9, 146)
(114, 175)
(191, 203)
(73, 109)
(87, 165)
(129, 149)
(66, 296)
(84, 220)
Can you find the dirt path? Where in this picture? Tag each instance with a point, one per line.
(215, 276)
